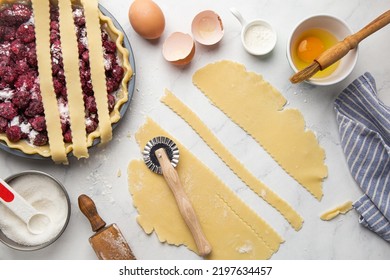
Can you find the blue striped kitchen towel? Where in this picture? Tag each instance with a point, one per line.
(364, 126)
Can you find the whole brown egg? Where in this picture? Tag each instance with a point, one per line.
(147, 19)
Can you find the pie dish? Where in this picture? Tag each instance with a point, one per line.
(24, 128)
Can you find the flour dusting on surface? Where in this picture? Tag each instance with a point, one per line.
(246, 248)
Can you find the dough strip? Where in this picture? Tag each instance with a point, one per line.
(41, 11)
(70, 56)
(98, 76)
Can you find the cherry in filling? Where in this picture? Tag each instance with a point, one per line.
(21, 110)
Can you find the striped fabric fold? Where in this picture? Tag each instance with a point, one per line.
(364, 127)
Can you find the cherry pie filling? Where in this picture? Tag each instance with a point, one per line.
(21, 110)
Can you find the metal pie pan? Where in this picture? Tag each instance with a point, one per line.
(123, 109)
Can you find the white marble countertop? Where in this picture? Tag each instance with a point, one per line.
(341, 238)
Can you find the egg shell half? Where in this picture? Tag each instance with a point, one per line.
(179, 48)
(207, 28)
(147, 19)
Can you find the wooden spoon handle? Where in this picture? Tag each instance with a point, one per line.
(88, 208)
(339, 50)
(184, 204)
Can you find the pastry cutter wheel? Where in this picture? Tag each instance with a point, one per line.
(161, 156)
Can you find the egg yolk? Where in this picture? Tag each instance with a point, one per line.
(310, 48)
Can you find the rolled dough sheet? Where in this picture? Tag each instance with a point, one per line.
(233, 163)
(258, 108)
(233, 229)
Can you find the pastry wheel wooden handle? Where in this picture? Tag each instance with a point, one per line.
(339, 50)
(184, 204)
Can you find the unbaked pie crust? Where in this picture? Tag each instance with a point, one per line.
(103, 132)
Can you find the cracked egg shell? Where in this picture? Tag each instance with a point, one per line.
(207, 28)
(179, 48)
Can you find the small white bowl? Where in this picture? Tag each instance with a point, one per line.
(257, 36)
(340, 30)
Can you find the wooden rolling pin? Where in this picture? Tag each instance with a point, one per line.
(108, 241)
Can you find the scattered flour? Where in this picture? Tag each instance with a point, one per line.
(246, 248)
(6, 94)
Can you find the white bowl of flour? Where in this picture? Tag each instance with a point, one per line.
(48, 196)
(257, 36)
